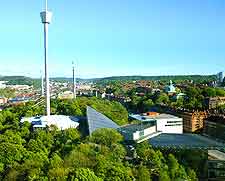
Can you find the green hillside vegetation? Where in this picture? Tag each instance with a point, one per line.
(196, 78)
(51, 154)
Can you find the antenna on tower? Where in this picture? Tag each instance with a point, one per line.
(74, 81)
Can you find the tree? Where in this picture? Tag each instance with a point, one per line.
(209, 92)
(163, 176)
(84, 174)
(147, 104)
(143, 174)
(162, 99)
(106, 136)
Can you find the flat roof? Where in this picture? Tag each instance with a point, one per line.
(61, 121)
(138, 127)
(141, 117)
(179, 141)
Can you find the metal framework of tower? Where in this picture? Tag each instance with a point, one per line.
(46, 19)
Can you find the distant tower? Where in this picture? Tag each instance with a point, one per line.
(46, 17)
(74, 82)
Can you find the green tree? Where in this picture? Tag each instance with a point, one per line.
(143, 174)
(84, 174)
(106, 136)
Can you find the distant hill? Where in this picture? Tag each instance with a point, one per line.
(13, 80)
(161, 78)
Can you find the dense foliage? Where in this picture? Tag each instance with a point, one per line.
(113, 110)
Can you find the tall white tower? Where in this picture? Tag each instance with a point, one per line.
(42, 84)
(46, 17)
(74, 82)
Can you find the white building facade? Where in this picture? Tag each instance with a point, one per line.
(165, 123)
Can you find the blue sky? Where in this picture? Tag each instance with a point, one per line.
(114, 37)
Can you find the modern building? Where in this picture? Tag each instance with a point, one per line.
(139, 132)
(220, 77)
(97, 120)
(166, 123)
(60, 121)
(193, 121)
(214, 127)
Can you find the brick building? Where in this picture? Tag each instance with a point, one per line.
(193, 121)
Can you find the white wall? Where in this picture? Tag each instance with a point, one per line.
(165, 127)
(150, 130)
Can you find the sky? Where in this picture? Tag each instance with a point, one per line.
(114, 37)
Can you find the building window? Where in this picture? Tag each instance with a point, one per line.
(173, 124)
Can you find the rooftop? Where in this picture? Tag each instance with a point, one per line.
(142, 117)
(180, 141)
(138, 127)
(61, 121)
(216, 155)
(97, 120)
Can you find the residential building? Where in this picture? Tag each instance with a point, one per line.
(193, 121)
(166, 123)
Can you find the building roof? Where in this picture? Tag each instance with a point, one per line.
(138, 127)
(217, 155)
(180, 141)
(61, 121)
(141, 117)
(97, 120)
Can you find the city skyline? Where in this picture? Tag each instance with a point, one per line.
(115, 38)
